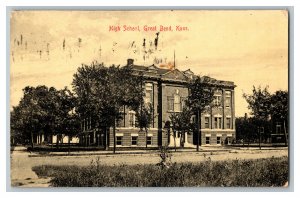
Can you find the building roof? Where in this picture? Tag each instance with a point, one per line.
(173, 75)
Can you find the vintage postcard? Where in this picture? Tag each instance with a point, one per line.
(149, 98)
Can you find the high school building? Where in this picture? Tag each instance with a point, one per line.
(166, 91)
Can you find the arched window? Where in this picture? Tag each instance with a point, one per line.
(176, 102)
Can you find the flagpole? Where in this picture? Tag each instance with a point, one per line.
(174, 60)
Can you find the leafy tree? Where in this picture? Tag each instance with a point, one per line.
(259, 102)
(103, 90)
(181, 123)
(279, 106)
(201, 95)
(279, 109)
(31, 114)
(144, 117)
(42, 110)
(17, 130)
(246, 129)
(266, 107)
(68, 118)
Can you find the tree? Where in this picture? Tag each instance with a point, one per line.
(69, 122)
(33, 114)
(181, 123)
(103, 90)
(259, 102)
(144, 117)
(246, 129)
(18, 131)
(279, 106)
(42, 110)
(201, 92)
(279, 109)
(266, 107)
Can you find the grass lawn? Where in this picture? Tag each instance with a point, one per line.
(234, 173)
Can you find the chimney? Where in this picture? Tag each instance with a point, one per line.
(129, 61)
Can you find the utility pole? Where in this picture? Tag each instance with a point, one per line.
(174, 60)
(198, 129)
(258, 130)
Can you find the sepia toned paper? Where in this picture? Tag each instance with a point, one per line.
(237, 48)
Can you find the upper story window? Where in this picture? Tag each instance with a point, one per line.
(217, 100)
(86, 124)
(120, 117)
(218, 122)
(228, 123)
(228, 99)
(193, 119)
(206, 122)
(148, 93)
(176, 102)
(278, 127)
(170, 100)
(131, 118)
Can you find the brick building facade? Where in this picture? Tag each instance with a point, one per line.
(166, 90)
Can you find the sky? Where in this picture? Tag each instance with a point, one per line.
(248, 47)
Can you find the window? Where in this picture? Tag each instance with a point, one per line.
(218, 140)
(228, 121)
(278, 127)
(227, 99)
(177, 103)
(228, 94)
(193, 119)
(227, 102)
(183, 100)
(170, 103)
(134, 140)
(149, 140)
(207, 140)
(206, 122)
(119, 140)
(218, 122)
(120, 121)
(149, 93)
(217, 100)
(131, 118)
(88, 123)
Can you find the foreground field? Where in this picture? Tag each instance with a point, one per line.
(22, 161)
(254, 173)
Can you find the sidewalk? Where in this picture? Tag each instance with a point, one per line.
(155, 152)
(21, 172)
